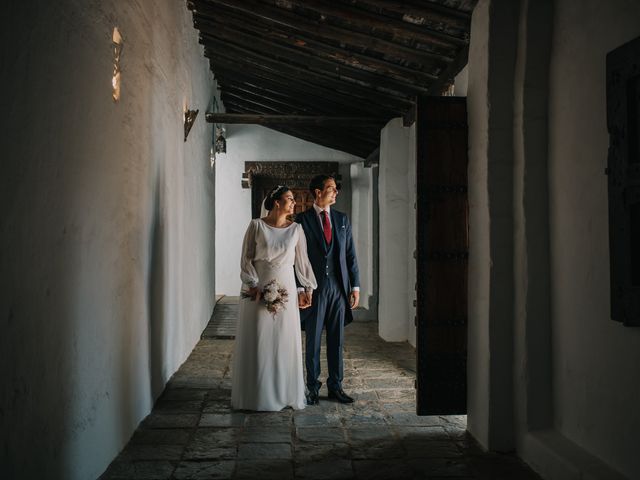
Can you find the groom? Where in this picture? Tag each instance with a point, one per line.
(333, 259)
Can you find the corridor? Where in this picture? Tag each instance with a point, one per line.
(193, 434)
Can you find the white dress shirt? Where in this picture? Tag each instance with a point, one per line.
(319, 215)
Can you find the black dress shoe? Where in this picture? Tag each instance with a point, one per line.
(340, 396)
(312, 398)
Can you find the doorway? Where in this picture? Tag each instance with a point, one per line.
(261, 177)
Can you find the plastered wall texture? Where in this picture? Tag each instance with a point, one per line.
(550, 374)
(397, 196)
(596, 376)
(107, 223)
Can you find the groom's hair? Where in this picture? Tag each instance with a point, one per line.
(317, 182)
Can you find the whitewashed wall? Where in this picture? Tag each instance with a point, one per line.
(549, 372)
(595, 360)
(107, 226)
(397, 196)
(248, 143)
(492, 57)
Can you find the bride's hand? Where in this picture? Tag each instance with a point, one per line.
(254, 293)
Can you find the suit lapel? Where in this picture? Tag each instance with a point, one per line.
(335, 227)
(314, 224)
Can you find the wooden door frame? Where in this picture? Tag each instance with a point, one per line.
(259, 176)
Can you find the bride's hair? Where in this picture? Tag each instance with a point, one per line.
(274, 195)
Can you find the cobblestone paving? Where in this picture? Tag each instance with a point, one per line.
(193, 434)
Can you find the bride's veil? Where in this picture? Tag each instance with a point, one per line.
(263, 211)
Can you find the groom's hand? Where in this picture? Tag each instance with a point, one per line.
(354, 299)
(309, 295)
(303, 301)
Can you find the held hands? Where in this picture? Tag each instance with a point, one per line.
(254, 293)
(304, 300)
(354, 299)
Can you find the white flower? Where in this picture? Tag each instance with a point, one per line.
(270, 296)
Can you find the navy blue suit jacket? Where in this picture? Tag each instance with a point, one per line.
(342, 239)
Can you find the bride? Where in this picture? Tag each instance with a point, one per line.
(267, 361)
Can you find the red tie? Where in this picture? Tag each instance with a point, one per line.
(326, 226)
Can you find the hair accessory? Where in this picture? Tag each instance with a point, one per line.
(275, 190)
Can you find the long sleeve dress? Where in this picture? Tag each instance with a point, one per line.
(267, 372)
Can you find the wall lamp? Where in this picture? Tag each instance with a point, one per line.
(221, 142)
(189, 119)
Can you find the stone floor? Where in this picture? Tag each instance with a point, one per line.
(193, 434)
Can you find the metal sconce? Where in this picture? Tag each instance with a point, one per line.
(218, 141)
(221, 142)
(189, 119)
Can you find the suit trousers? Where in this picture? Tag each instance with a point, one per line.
(327, 312)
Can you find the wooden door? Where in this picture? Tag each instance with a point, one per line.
(303, 198)
(441, 255)
(623, 122)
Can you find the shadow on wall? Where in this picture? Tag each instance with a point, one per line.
(156, 293)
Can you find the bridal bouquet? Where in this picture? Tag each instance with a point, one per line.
(274, 296)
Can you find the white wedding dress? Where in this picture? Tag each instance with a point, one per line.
(267, 372)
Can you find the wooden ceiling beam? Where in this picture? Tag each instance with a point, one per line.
(457, 8)
(363, 136)
(314, 95)
(308, 102)
(372, 102)
(281, 108)
(447, 77)
(241, 60)
(289, 105)
(432, 15)
(299, 103)
(364, 129)
(356, 129)
(310, 29)
(263, 48)
(370, 22)
(322, 135)
(307, 120)
(338, 55)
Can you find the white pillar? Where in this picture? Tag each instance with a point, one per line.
(492, 56)
(362, 226)
(397, 231)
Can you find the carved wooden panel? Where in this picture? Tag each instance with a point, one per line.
(261, 177)
(623, 122)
